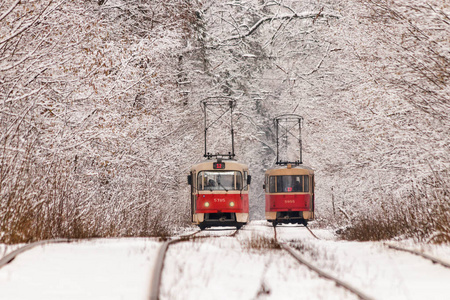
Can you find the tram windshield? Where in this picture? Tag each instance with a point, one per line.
(289, 183)
(219, 180)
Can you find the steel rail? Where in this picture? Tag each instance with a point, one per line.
(12, 255)
(310, 231)
(155, 283)
(435, 260)
(159, 265)
(321, 273)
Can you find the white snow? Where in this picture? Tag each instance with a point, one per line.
(97, 269)
(224, 267)
(373, 267)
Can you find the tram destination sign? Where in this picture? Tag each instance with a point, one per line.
(218, 165)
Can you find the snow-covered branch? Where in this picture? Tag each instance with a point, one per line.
(282, 17)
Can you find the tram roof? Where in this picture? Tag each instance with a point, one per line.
(230, 164)
(294, 170)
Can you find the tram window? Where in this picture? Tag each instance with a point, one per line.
(199, 182)
(306, 185)
(297, 184)
(272, 184)
(280, 185)
(238, 180)
(291, 183)
(219, 180)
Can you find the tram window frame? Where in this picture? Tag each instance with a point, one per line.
(277, 186)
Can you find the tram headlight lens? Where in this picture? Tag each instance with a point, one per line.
(231, 203)
(206, 204)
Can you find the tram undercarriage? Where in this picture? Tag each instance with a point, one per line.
(290, 217)
(204, 220)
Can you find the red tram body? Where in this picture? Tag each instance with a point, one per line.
(289, 194)
(219, 193)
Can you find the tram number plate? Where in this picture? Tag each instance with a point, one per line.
(217, 165)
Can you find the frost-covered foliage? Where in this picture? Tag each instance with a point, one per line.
(100, 105)
(88, 100)
(402, 105)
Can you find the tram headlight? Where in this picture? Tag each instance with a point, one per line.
(206, 204)
(231, 203)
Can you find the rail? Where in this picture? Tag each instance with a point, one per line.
(320, 272)
(424, 255)
(12, 255)
(310, 231)
(155, 283)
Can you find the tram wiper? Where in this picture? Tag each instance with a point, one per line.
(218, 181)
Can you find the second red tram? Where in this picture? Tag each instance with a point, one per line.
(289, 193)
(219, 193)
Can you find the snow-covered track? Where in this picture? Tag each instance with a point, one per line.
(320, 272)
(421, 254)
(310, 231)
(11, 256)
(159, 265)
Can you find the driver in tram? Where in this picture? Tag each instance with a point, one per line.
(210, 183)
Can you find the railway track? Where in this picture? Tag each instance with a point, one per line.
(155, 283)
(317, 270)
(12, 255)
(435, 260)
(312, 233)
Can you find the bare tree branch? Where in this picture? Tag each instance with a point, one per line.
(282, 17)
(9, 10)
(20, 31)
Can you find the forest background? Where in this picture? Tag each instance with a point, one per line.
(100, 115)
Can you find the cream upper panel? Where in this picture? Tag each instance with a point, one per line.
(230, 165)
(293, 171)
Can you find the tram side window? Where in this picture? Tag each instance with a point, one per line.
(238, 180)
(199, 181)
(245, 181)
(272, 184)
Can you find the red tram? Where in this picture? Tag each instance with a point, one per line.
(289, 193)
(219, 193)
(289, 189)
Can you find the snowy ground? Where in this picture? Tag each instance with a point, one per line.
(97, 269)
(224, 267)
(375, 269)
